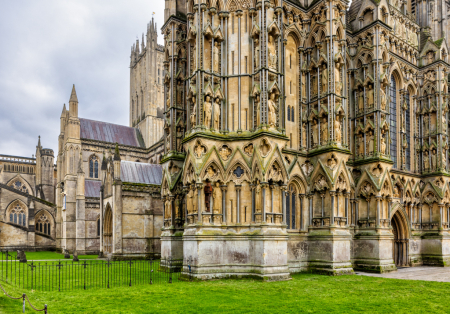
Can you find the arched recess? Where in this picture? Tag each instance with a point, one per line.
(107, 230)
(400, 228)
(17, 213)
(19, 183)
(44, 222)
(295, 215)
(292, 70)
(394, 99)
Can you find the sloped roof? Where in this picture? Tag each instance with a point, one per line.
(138, 172)
(112, 133)
(354, 9)
(92, 188)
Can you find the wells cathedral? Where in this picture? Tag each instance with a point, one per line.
(265, 138)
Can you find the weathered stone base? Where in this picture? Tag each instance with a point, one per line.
(436, 249)
(372, 266)
(258, 252)
(171, 250)
(334, 269)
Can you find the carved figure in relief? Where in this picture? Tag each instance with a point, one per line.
(361, 145)
(315, 133)
(383, 146)
(216, 114)
(383, 99)
(425, 123)
(272, 110)
(217, 199)
(258, 198)
(194, 110)
(258, 110)
(207, 106)
(324, 131)
(272, 53)
(304, 134)
(303, 86)
(208, 191)
(337, 129)
(433, 159)
(370, 143)
(370, 97)
(324, 79)
(426, 161)
(256, 53)
(190, 203)
(361, 101)
(216, 57)
(167, 209)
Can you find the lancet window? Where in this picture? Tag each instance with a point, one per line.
(17, 215)
(93, 167)
(393, 119)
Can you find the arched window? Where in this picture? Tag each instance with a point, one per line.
(292, 114)
(93, 167)
(43, 224)
(18, 185)
(291, 195)
(408, 132)
(393, 120)
(289, 113)
(98, 227)
(17, 215)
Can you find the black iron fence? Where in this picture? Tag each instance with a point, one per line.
(64, 275)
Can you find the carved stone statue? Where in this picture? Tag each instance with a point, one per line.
(324, 131)
(361, 101)
(256, 53)
(361, 145)
(383, 146)
(272, 53)
(303, 86)
(208, 191)
(216, 113)
(383, 99)
(425, 123)
(370, 97)
(190, 205)
(370, 143)
(433, 159)
(426, 161)
(315, 133)
(193, 113)
(337, 129)
(324, 79)
(217, 202)
(304, 135)
(258, 208)
(207, 107)
(216, 57)
(167, 209)
(272, 110)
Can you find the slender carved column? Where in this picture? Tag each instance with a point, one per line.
(238, 203)
(263, 201)
(199, 202)
(301, 197)
(283, 196)
(332, 195)
(347, 196)
(224, 207)
(310, 205)
(378, 200)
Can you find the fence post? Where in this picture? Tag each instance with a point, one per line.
(23, 303)
(59, 275)
(108, 264)
(130, 270)
(170, 270)
(84, 264)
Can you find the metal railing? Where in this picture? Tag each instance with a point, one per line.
(63, 275)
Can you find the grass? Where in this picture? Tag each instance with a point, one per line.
(305, 293)
(48, 255)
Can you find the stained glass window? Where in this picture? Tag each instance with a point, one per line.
(93, 167)
(393, 120)
(408, 131)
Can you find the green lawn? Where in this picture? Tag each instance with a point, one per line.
(47, 255)
(305, 293)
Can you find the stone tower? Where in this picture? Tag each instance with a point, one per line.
(45, 188)
(146, 86)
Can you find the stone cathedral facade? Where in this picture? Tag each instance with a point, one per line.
(305, 135)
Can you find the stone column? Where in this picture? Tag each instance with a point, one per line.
(310, 199)
(199, 202)
(283, 196)
(224, 208)
(263, 201)
(238, 203)
(347, 195)
(332, 194)
(441, 214)
(378, 200)
(301, 196)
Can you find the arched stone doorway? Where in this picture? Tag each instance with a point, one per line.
(107, 231)
(400, 250)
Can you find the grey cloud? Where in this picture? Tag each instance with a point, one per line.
(47, 46)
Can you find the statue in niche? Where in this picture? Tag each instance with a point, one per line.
(314, 85)
(168, 209)
(383, 145)
(433, 159)
(258, 198)
(426, 161)
(324, 79)
(258, 110)
(216, 113)
(303, 86)
(370, 142)
(361, 145)
(216, 57)
(177, 207)
(194, 57)
(383, 99)
(272, 53)
(168, 100)
(433, 123)
(190, 202)
(304, 134)
(370, 97)
(402, 120)
(207, 107)
(272, 110)
(444, 121)
(194, 110)
(425, 122)
(315, 132)
(216, 199)
(208, 191)
(337, 129)
(361, 101)
(256, 53)
(180, 89)
(324, 131)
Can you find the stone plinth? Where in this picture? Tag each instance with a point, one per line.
(436, 249)
(214, 252)
(171, 248)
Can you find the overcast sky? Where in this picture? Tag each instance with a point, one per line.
(48, 45)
